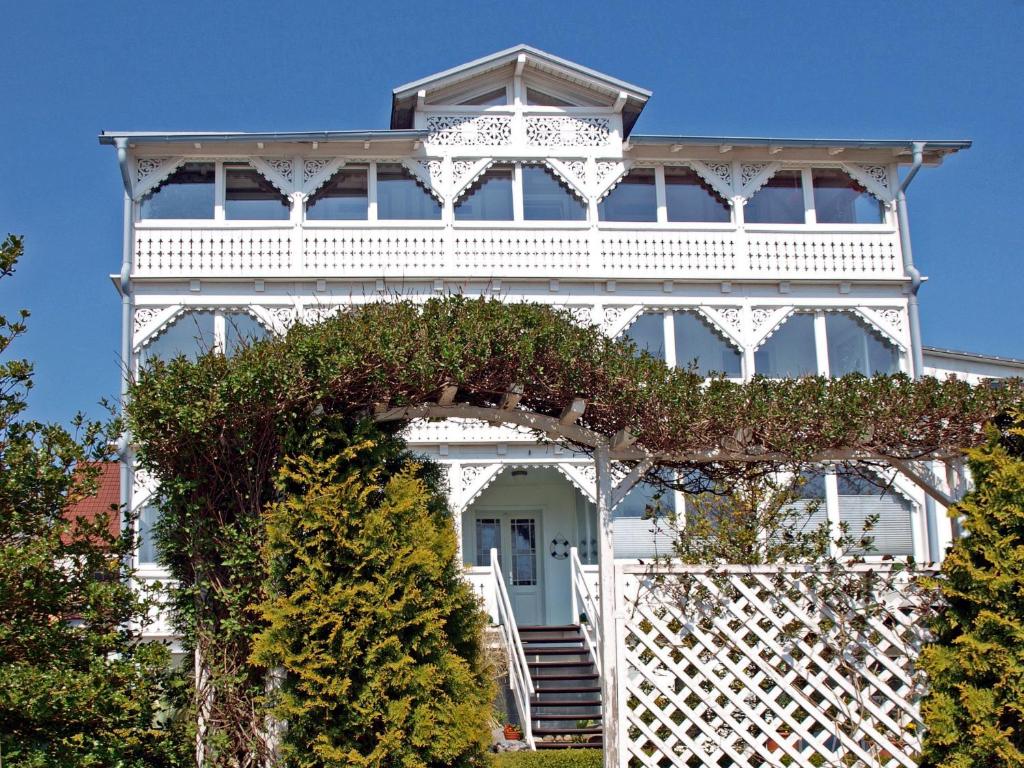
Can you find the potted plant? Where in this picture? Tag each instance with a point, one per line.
(513, 732)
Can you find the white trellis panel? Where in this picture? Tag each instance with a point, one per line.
(745, 666)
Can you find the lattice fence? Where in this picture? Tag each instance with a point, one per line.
(762, 666)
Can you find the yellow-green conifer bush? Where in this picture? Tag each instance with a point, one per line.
(974, 714)
(375, 631)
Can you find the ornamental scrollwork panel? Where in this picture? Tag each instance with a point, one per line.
(718, 175)
(544, 131)
(278, 171)
(430, 174)
(148, 320)
(889, 321)
(727, 321)
(474, 481)
(607, 174)
(616, 319)
(151, 171)
(457, 130)
(764, 321)
(317, 171)
(572, 172)
(874, 178)
(582, 476)
(753, 176)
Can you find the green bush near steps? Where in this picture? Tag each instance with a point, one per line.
(555, 758)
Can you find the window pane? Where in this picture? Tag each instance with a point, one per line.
(186, 194)
(490, 99)
(639, 525)
(524, 552)
(540, 99)
(779, 201)
(646, 500)
(648, 333)
(148, 552)
(697, 341)
(488, 537)
(690, 198)
(344, 196)
(855, 347)
(634, 199)
(489, 198)
(240, 330)
(248, 195)
(838, 199)
(790, 352)
(189, 336)
(860, 499)
(400, 195)
(547, 198)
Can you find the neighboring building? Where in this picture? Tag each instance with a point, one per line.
(521, 176)
(970, 366)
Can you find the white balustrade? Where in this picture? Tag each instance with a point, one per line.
(518, 671)
(481, 579)
(586, 604)
(380, 249)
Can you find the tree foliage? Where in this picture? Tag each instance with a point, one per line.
(77, 687)
(369, 620)
(974, 714)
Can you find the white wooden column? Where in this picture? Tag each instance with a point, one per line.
(609, 605)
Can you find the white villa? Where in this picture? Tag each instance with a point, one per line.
(527, 177)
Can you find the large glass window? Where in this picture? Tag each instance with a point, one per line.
(855, 347)
(248, 195)
(547, 198)
(648, 333)
(240, 330)
(489, 198)
(344, 197)
(779, 201)
(537, 98)
(634, 198)
(838, 199)
(698, 345)
(489, 99)
(689, 198)
(148, 551)
(790, 352)
(861, 500)
(189, 336)
(400, 195)
(188, 193)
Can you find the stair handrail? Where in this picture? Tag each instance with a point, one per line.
(583, 598)
(519, 677)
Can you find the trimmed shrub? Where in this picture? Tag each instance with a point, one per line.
(554, 758)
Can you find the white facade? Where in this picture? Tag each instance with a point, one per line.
(520, 176)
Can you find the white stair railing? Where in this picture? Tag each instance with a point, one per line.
(518, 671)
(584, 601)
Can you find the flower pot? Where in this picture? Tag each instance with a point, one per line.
(513, 733)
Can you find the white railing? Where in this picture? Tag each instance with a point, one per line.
(748, 666)
(518, 670)
(415, 250)
(585, 602)
(481, 579)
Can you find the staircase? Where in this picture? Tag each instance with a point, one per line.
(566, 706)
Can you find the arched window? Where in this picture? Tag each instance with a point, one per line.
(188, 193)
(345, 196)
(648, 333)
(190, 335)
(860, 499)
(779, 201)
(490, 197)
(838, 199)
(689, 198)
(249, 196)
(856, 347)
(699, 345)
(400, 195)
(634, 198)
(790, 352)
(547, 198)
(240, 330)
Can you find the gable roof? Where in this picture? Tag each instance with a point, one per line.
(403, 98)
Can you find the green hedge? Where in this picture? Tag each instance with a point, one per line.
(554, 758)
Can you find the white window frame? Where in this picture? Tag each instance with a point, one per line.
(518, 220)
(372, 211)
(661, 207)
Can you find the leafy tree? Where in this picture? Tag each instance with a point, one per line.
(77, 687)
(974, 714)
(377, 634)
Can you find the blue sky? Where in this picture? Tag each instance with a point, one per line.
(855, 70)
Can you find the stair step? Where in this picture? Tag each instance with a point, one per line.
(566, 731)
(556, 651)
(555, 678)
(569, 745)
(549, 664)
(538, 639)
(588, 703)
(581, 689)
(565, 717)
(547, 627)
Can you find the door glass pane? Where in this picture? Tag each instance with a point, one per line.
(838, 199)
(689, 198)
(854, 347)
(186, 194)
(779, 201)
(345, 196)
(633, 199)
(489, 198)
(488, 537)
(547, 198)
(248, 195)
(698, 345)
(790, 351)
(400, 195)
(524, 552)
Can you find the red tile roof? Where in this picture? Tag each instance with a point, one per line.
(108, 494)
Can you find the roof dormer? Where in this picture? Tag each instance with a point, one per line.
(521, 76)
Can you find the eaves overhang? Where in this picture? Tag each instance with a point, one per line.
(902, 149)
(227, 137)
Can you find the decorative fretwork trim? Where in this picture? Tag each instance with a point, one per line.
(727, 322)
(317, 171)
(765, 321)
(150, 172)
(429, 173)
(278, 171)
(608, 174)
(616, 319)
(466, 172)
(573, 173)
(156, 325)
(753, 176)
(717, 175)
(874, 178)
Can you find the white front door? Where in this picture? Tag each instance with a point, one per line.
(516, 536)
